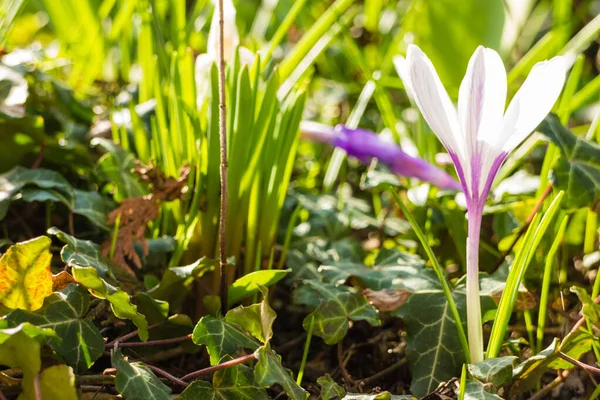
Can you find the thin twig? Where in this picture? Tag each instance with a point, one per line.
(523, 229)
(167, 375)
(40, 157)
(36, 387)
(384, 372)
(226, 364)
(548, 388)
(128, 336)
(577, 363)
(152, 342)
(342, 363)
(223, 142)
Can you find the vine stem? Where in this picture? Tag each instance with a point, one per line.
(223, 144)
(226, 364)
(149, 342)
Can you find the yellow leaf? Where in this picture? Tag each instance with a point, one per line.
(25, 277)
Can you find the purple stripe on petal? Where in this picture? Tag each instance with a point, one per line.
(461, 174)
(492, 174)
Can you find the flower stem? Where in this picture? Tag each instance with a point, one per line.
(474, 325)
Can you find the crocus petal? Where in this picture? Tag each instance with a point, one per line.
(401, 66)
(482, 98)
(316, 132)
(533, 101)
(434, 102)
(231, 38)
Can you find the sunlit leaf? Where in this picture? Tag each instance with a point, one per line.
(269, 371)
(235, 383)
(221, 338)
(79, 342)
(256, 319)
(476, 391)
(25, 277)
(248, 284)
(119, 301)
(82, 253)
(590, 309)
(58, 383)
(135, 381)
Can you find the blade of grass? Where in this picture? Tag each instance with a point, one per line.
(438, 271)
(531, 241)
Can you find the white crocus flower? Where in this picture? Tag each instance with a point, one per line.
(231, 41)
(479, 135)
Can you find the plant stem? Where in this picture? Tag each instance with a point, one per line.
(152, 342)
(223, 144)
(474, 325)
(226, 364)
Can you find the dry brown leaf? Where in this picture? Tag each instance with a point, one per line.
(61, 280)
(386, 300)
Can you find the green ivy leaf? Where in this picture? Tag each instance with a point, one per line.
(330, 390)
(236, 383)
(248, 284)
(13, 181)
(135, 381)
(19, 350)
(221, 338)
(120, 302)
(79, 342)
(269, 371)
(590, 309)
(476, 391)
(433, 348)
(332, 317)
(177, 281)
(81, 253)
(256, 319)
(577, 171)
(115, 166)
(497, 371)
(528, 373)
(379, 396)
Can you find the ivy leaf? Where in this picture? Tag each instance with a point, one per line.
(79, 342)
(57, 383)
(221, 338)
(82, 253)
(92, 206)
(115, 166)
(236, 383)
(248, 284)
(476, 391)
(25, 277)
(330, 390)
(590, 309)
(577, 171)
(135, 381)
(433, 348)
(176, 281)
(332, 317)
(120, 302)
(269, 371)
(21, 351)
(256, 319)
(497, 371)
(13, 181)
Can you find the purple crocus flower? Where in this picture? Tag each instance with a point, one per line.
(480, 135)
(365, 145)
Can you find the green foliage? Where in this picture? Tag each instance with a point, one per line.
(477, 391)
(577, 171)
(135, 381)
(249, 284)
(235, 383)
(120, 302)
(221, 338)
(78, 340)
(497, 371)
(58, 383)
(329, 389)
(256, 319)
(269, 371)
(82, 253)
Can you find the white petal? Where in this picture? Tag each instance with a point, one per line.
(481, 99)
(433, 101)
(246, 56)
(533, 101)
(401, 66)
(231, 38)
